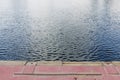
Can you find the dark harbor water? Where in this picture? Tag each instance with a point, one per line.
(65, 30)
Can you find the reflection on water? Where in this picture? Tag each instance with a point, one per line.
(67, 30)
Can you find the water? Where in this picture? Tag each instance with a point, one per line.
(65, 30)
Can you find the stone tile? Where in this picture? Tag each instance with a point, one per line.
(54, 78)
(29, 67)
(67, 69)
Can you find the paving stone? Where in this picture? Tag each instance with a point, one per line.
(7, 72)
(111, 77)
(107, 72)
(110, 69)
(23, 77)
(54, 78)
(29, 67)
(118, 69)
(67, 69)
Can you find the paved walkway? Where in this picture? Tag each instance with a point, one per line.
(21, 70)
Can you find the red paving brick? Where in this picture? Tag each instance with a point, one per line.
(68, 78)
(98, 69)
(22, 78)
(33, 72)
(7, 72)
(109, 77)
(110, 69)
(29, 69)
(118, 69)
(68, 69)
(54, 78)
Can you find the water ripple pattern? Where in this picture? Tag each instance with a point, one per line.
(60, 30)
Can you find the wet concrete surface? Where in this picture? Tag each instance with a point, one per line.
(65, 30)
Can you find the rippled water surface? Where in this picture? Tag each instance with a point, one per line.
(66, 30)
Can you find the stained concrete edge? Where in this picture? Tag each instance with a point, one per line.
(12, 63)
(58, 63)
